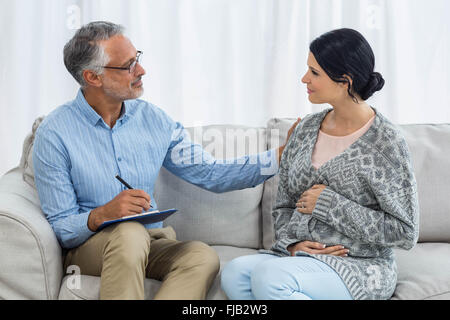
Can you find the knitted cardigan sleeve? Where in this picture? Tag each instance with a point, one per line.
(395, 223)
(285, 204)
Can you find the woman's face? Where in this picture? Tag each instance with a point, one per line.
(321, 89)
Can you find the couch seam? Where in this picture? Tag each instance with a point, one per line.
(43, 258)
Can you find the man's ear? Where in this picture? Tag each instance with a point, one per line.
(92, 79)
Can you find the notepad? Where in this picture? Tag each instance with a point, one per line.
(144, 218)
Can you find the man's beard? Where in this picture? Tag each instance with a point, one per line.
(121, 94)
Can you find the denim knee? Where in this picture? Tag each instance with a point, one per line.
(235, 279)
(229, 277)
(261, 281)
(268, 283)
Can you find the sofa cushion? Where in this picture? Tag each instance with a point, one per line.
(26, 160)
(231, 218)
(430, 146)
(423, 272)
(88, 287)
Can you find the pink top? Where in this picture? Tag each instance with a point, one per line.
(327, 147)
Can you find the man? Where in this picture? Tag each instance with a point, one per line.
(82, 145)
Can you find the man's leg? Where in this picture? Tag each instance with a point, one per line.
(186, 269)
(119, 254)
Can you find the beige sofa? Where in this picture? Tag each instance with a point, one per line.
(234, 224)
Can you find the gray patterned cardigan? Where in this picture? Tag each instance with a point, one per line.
(370, 204)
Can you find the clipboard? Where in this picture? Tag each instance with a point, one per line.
(144, 218)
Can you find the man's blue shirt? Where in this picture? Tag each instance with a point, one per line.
(76, 157)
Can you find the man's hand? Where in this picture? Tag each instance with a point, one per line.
(308, 199)
(126, 203)
(281, 149)
(317, 248)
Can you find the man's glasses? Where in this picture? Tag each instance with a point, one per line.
(132, 67)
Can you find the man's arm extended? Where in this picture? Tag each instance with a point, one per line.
(197, 166)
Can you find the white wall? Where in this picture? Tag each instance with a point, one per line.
(223, 61)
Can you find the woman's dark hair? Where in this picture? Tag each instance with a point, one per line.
(346, 52)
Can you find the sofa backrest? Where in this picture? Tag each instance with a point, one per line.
(430, 150)
(231, 218)
(244, 218)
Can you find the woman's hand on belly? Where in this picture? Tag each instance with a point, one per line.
(317, 248)
(308, 199)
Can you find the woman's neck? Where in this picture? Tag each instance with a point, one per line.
(346, 118)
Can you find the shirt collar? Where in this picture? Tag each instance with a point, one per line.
(93, 117)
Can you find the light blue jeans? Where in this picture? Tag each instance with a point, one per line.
(269, 277)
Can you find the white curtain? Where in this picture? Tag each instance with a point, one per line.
(224, 61)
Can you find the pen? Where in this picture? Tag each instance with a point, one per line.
(128, 186)
(124, 182)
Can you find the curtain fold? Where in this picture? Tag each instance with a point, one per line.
(224, 61)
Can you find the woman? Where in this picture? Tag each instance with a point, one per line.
(347, 193)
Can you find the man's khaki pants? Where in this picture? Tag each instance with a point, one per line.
(123, 254)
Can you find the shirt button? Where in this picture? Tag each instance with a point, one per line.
(120, 159)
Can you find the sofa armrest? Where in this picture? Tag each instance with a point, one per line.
(31, 258)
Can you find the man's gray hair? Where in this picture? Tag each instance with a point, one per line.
(83, 52)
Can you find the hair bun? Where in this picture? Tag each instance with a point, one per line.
(375, 83)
